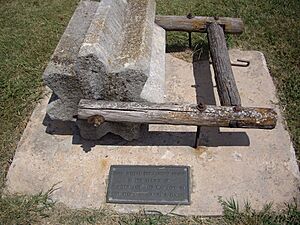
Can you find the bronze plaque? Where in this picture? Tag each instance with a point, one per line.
(164, 185)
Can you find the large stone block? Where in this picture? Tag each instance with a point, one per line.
(114, 60)
(153, 91)
(111, 50)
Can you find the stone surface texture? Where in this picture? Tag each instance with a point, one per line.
(59, 74)
(111, 50)
(254, 165)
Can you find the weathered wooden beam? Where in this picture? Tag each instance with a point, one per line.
(178, 114)
(199, 23)
(226, 85)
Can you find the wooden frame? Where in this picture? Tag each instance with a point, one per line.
(98, 111)
(199, 23)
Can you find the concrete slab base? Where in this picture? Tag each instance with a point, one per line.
(254, 165)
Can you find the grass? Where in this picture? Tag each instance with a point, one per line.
(40, 209)
(25, 209)
(30, 30)
(233, 214)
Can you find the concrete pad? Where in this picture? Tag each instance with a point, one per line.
(255, 165)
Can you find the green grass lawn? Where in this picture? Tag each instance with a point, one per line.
(30, 30)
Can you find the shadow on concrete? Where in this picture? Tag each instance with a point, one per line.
(59, 127)
(209, 136)
(151, 138)
(161, 138)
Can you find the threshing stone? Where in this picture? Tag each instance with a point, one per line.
(113, 51)
(114, 59)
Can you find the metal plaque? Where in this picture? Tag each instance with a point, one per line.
(167, 185)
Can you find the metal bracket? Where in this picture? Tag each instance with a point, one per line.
(243, 63)
(246, 63)
(190, 16)
(201, 107)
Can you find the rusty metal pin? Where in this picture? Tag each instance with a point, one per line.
(201, 107)
(96, 120)
(190, 16)
(246, 63)
(237, 108)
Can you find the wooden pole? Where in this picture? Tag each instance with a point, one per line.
(199, 23)
(226, 85)
(178, 114)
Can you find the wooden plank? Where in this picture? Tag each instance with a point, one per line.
(199, 23)
(226, 85)
(178, 114)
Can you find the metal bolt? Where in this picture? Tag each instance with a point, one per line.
(96, 120)
(237, 108)
(190, 16)
(201, 107)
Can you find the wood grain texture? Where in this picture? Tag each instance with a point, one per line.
(178, 114)
(226, 85)
(199, 23)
